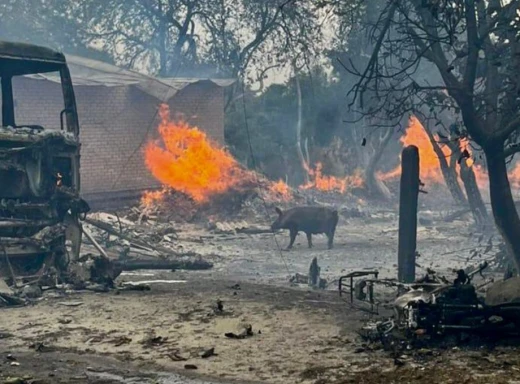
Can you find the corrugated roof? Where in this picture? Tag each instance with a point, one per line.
(88, 72)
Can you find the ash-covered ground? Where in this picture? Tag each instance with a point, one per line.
(299, 335)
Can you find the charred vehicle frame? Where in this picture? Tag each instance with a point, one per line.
(432, 306)
(40, 207)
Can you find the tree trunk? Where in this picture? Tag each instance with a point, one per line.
(305, 167)
(377, 187)
(476, 203)
(502, 203)
(449, 173)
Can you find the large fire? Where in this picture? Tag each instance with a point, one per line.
(189, 162)
(430, 170)
(186, 160)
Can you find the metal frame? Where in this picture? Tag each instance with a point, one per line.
(350, 289)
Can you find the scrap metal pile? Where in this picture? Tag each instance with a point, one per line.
(433, 307)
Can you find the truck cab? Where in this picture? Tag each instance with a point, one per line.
(40, 206)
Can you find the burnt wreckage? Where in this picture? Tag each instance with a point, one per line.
(432, 306)
(40, 207)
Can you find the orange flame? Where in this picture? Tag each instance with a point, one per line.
(514, 176)
(151, 197)
(331, 183)
(189, 162)
(429, 163)
(428, 160)
(281, 190)
(186, 160)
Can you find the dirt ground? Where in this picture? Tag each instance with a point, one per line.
(298, 335)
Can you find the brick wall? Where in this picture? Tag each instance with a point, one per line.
(202, 105)
(115, 124)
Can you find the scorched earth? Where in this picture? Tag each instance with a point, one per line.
(175, 333)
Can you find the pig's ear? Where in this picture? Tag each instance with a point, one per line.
(279, 211)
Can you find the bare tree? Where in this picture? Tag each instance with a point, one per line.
(378, 142)
(474, 48)
(45, 22)
(298, 142)
(352, 44)
(277, 34)
(448, 168)
(194, 37)
(160, 35)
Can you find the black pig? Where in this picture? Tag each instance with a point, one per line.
(311, 220)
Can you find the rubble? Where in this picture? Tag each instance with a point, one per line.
(245, 333)
(111, 244)
(208, 353)
(433, 308)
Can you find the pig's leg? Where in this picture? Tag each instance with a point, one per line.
(309, 239)
(293, 232)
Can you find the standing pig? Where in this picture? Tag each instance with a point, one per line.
(311, 220)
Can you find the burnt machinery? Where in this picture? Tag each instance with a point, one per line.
(432, 305)
(40, 205)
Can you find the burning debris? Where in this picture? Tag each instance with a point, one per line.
(189, 162)
(323, 182)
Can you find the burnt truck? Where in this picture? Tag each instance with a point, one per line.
(40, 205)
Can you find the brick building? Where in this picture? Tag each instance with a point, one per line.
(118, 114)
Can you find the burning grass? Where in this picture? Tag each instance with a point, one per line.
(184, 159)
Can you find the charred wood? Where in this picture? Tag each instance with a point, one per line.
(408, 200)
(133, 265)
(134, 242)
(455, 215)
